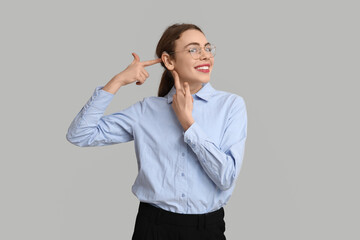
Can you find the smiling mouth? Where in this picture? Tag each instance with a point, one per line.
(203, 68)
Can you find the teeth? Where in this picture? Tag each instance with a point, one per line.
(204, 67)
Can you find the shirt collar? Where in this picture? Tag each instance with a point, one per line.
(204, 93)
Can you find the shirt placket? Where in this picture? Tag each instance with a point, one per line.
(183, 178)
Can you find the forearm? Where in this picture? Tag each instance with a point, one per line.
(221, 167)
(187, 122)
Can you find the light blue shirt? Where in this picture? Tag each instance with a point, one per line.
(190, 172)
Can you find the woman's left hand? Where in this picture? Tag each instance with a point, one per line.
(182, 102)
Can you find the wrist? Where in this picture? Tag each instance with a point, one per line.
(118, 79)
(113, 85)
(187, 123)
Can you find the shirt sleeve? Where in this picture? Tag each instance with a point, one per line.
(91, 128)
(221, 163)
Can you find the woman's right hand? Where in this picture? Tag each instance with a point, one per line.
(135, 72)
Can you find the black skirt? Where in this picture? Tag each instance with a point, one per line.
(154, 223)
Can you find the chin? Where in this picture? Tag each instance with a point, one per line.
(205, 80)
(201, 80)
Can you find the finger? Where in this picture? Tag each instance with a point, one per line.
(187, 89)
(151, 62)
(145, 73)
(141, 80)
(176, 80)
(136, 58)
(142, 76)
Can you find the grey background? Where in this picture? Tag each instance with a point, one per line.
(296, 63)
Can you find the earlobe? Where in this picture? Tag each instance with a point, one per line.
(165, 57)
(170, 67)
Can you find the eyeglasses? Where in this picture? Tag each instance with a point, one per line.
(195, 52)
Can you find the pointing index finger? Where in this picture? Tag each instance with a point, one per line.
(176, 80)
(151, 62)
(187, 89)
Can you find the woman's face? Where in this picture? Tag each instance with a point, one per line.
(193, 71)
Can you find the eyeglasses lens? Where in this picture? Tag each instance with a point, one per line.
(208, 51)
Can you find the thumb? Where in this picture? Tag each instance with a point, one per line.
(136, 58)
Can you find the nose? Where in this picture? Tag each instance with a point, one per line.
(203, 54)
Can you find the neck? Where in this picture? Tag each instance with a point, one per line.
(195, 88)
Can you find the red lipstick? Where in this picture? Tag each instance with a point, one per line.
(203, 68)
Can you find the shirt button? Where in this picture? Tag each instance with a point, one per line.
(183, 174)
(183, 195)
(188, 141)
(183, 154)
(193, 145)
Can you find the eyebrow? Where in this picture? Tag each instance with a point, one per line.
(195, 43)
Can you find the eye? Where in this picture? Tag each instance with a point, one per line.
(208, 48)
(193, 50)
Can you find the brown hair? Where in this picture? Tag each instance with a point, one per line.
(167, 43)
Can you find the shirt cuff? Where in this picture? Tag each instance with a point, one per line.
(100, 99)
(193, 136)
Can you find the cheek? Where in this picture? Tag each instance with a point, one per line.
(185, 66)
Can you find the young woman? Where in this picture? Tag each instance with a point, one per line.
(189, 141)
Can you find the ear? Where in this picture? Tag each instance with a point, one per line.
(168, 61)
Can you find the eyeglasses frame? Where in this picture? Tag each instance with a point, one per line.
(201, 48)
